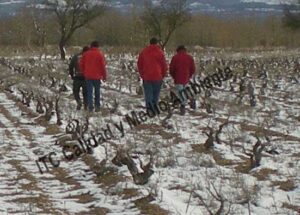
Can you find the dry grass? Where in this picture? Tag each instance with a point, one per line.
(287, 185)
(263, 174)
(291, 207)
(220, 160)
(8, 115)
(62, 175)
(8, 134)
(52, 130)
(243, 167)
(257, 129)
(178, 140)
(25, 110)
(99, 211)
(154, 129)
(110, 176)
(28, 135)
(40, 202)
(129, 193)
(147, 208)
(83, 198)
(24, 174)
(296, 155)
(200, 148)
(110, 179)
(21, 106)
(1, 124)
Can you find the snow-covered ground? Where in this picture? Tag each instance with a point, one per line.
(188, 178)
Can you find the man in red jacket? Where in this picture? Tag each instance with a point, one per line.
(152, 67)
(182, 68)
(93, 66)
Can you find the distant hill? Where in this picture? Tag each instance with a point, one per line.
(10, 7)
(215, 7)
(222, 7)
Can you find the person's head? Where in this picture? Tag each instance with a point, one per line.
(181, 48)
(84, 49)
(153, 41)
(95, 44)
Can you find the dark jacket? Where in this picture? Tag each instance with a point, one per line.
(152, 64)
(182, 67)
(74, 68)
(93, 65)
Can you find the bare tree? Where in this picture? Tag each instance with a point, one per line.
(123, 158)
(217, 196)
(219, 131)
(39, 31)
(209, 143)
(38, 20)
(164, 18)
(57, 111)
(72, 15)
(256, 154)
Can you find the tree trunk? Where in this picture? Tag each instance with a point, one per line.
(62, 50)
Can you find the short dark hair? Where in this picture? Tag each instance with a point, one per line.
(85, 48)
(95, 44)
(181, 47)
(153, 41)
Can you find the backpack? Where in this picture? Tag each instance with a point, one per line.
(78, 72)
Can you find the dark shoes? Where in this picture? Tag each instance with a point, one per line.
(193, 104)
(182, 110)
(78, 106)
(97, 109)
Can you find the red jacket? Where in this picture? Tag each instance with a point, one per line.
(182, 67)
(152, 64)
(92, 64)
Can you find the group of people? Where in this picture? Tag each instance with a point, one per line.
(88, 69)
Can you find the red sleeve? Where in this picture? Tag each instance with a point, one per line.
(192, 69)
(103, 66)
(140, 64)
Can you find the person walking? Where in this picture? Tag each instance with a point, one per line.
(182, 68)
(93, 66)
(78, 79)
(152, 67)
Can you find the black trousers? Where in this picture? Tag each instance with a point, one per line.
(77, 85)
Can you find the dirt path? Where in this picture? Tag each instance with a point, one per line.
(63, 190)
